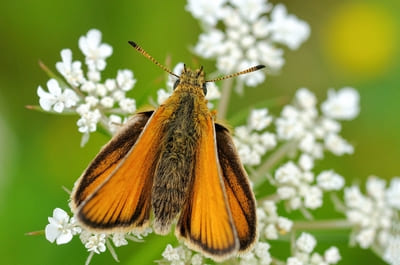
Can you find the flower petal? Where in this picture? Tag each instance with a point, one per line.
(54, 87)
(51, 232)
(64, 237)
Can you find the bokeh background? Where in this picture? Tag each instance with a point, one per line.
(353, 43)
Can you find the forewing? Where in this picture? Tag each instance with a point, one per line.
(109, 157)
(206, 223)
(121, 201)
(240, 196)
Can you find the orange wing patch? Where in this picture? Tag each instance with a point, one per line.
(206, 222)
(109, 157)
(122, 201)
(240, 197)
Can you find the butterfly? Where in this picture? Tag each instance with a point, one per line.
(174, 165)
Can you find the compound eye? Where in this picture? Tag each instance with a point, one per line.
(205, 89)
(176, 83)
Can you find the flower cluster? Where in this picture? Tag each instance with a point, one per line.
(258, 255)
(270, 224)
(62, 228)
(251, 140)
(300, 188)
(373, 215)
(85, 94)
(300, 122)
(179, 256)
(304, 254)
(249, 37)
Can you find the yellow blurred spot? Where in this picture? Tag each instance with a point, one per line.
(360, 39)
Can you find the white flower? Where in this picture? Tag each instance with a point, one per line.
(371, 214)
(392, 253)
(287, 29)
(376, 187)
(125, 80)
(327, 126)
(269, 54)
(312, 197)
(84, 236)
(128, 105)
(259, 119)
(96, 243)
(286, 192)
(92, 101)
(95, 51)
(89, 119)
(289, 173)
(119, 239)
(366, 237)
(56, 99)
(288, 125)
(293, 261)
(393, 193)
(114, 122)
(248, 37)
(176, 255)
(306, 162)
(162, 95)
(342, 105)
(209, 44)
(251, 145)
(94, 75)
(212, 91)
(306, 242)
(71, 71)
(305, 98)
(329, 180)
(284, 225)
(337, 145)
(261, 250)
(141, 234)
(88, 87)
(269, 223)
(107, 102)
(332, 255)
(110, 84)
(60, 229)
(258, 255)
(251, 9)
(270, 232)
(208, 12)
(197, 259)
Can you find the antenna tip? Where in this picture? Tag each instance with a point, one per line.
(132, 43)
(260, 66)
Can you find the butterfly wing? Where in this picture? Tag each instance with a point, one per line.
(114, 193)
(240, 197)
(109, 157)
(206, 223)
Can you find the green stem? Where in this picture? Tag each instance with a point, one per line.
(224, 101)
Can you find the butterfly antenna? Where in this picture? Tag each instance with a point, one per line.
(249, 70)
(148, 56)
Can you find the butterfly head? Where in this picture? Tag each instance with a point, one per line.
(192, 79)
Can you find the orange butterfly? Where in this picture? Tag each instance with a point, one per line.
(176, 163)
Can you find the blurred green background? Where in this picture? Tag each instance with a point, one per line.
(352, 43)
